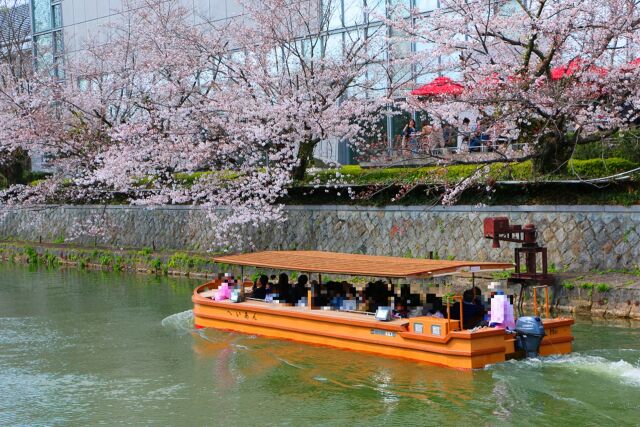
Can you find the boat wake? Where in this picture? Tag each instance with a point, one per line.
(620, 370)
(180, 322)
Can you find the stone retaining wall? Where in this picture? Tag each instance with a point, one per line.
(579, 238)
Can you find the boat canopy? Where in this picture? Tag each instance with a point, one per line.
(356, 264)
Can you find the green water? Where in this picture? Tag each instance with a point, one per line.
(91, 348)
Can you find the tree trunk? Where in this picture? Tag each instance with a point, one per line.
(15, 166)
(552, 155)
(305, 156)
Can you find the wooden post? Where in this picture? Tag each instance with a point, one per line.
(546, 302)
(535, 302)
(461, 310)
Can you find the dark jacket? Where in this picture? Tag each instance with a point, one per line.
(296, 292)
(259, 293)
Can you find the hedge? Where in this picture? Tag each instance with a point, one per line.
(517, 171)
(599, 168)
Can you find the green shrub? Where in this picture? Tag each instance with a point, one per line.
(184, 262)
(603, 287)
(155, 264)
(145, 181)
(625, 145)
(51, 260)
(118, 263)
(4, 182)
(598, 168)
(32, 255)
(189, 179)
(521, 171)
(568, 285)
(351, 170)
(356, 175)
(501, 275)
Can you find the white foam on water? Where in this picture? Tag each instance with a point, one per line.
(286, 362)
(181, 322)
(621, 370)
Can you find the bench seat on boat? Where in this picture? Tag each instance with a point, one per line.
(208, 294)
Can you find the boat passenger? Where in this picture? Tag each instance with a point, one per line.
(401, 311)
(472, 308)
(261, 287)
(282, 288)
(438, 309)
(337, 300)
(298, 290)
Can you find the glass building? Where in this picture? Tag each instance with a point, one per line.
(48, 41)
(61, 27)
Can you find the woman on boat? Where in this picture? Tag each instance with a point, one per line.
(261, 288)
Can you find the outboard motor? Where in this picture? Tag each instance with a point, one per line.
(529, 334)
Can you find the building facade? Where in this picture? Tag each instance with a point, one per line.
(15, 36)
(63, 27)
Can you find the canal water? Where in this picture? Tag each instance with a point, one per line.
(105, 348)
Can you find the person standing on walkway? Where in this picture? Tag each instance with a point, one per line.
(464, 135)
(408, 136)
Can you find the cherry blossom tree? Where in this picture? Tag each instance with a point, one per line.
(550, 73)
(15, 65)
(244, 102)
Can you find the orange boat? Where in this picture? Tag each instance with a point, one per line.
(441, 341)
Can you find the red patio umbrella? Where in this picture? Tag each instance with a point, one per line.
(574, 65)
(439, 86)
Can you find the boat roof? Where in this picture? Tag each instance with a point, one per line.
(356, 264)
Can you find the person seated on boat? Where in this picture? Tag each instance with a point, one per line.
(400, 310)
(338, 298)
(282, 288)
(298, 290)
(477, 295)
(322, 294)
(472, 311)
(261, 287)
(348, 290)
(438, 309)
(472, 308)
(377, 294)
